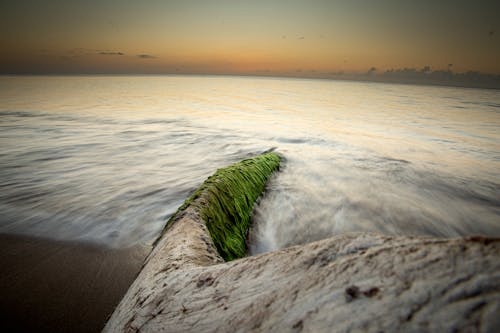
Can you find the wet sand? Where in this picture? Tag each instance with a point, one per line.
(54, 286)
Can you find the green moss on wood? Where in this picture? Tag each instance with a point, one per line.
(230, 194)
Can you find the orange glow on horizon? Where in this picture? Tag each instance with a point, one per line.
(248, 37)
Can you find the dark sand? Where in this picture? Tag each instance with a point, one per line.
(53, 286)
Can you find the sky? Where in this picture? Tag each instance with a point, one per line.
(263, 37)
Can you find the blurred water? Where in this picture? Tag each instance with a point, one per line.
(109, 159)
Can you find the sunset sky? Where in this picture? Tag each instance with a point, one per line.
(245, 37)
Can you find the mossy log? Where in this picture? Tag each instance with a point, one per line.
(347, 283)
(225, 201)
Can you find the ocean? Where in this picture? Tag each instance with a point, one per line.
(108, 159)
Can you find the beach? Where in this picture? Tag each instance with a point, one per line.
(55, 286)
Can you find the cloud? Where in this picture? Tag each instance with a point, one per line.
(442, 77)
(412, 75)
(146, 56)
(301, 37)
(426, 69)
(112, 53)
(71, 54)
(334, 73)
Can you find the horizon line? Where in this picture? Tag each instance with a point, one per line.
(358, 77)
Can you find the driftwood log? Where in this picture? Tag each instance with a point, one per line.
(346, 283)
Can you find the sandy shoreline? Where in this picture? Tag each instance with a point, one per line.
(54, 286)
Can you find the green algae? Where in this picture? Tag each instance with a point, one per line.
(228, 198)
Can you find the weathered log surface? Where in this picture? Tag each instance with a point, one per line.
(346, 283)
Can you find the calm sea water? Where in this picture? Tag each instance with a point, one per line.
(109, 159)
